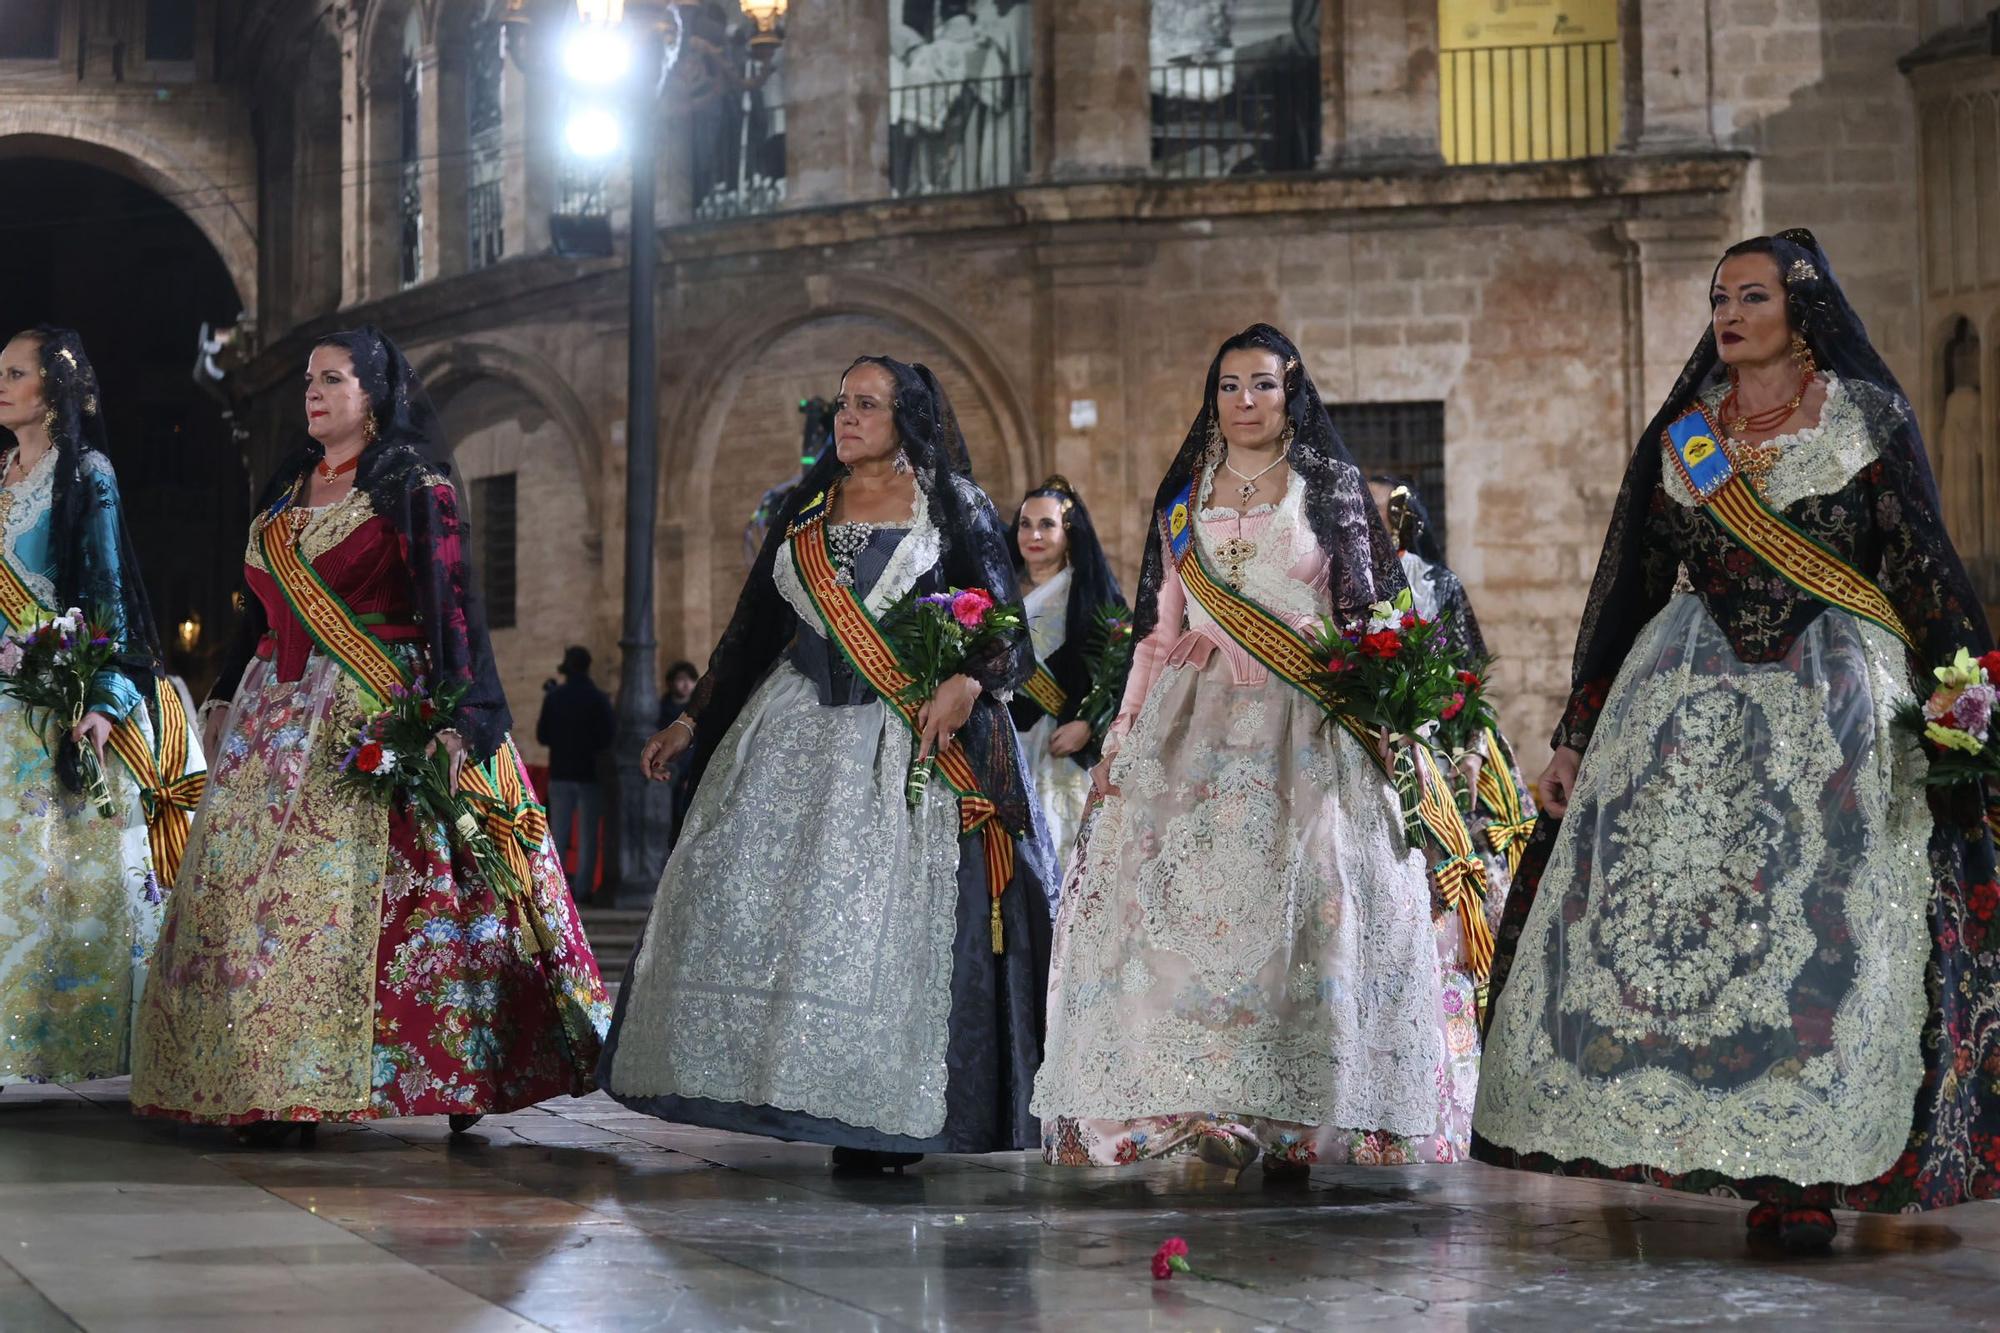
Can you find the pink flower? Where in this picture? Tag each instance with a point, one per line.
(1973, 710)
(1170, 1258)
(969, 608)
(1451, 710)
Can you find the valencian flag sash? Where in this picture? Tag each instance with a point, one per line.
(873, 658)
(1048, 695)
(169, 801)
(1695, 445)
(1461, 875)
(507, 811)
(1509, 824)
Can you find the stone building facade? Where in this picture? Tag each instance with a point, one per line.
(1536, 311)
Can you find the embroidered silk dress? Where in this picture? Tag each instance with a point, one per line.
(79, 903)
(1753, 958)
(1245, 941)
(326, 955)
(819, 965)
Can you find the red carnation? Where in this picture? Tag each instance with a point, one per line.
(1451, 710)
(1383, 643)
(1468, 678)
(427, 710)
(1409, 619)
(369, 757)
(969, 608)
(1991, 665)
(1164, 1265)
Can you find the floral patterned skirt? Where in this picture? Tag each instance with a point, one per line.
(327, 957)
(79, 912)
(1245, 942)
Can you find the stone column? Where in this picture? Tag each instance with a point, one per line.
(441, 143)
(1384, 105)
(1665, 59)
(836, 102)
(1668, 262)
(1093, 67)
(528, 195)
(1081, 341)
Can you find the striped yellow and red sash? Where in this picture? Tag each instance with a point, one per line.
(507, 811)
(1509, 823)
(1693, 442)
(1287, 655)
(334, 627)
(874, 659)
(169, 801)
(1048, 695)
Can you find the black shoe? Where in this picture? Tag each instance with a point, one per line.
(1806, 1230)
(461, 1123)
(867, 1161)
(273, 1133)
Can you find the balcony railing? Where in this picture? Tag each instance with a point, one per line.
(1234, 118)
(958, 136)
(484, 212)
(738, 156)
(1529, 103)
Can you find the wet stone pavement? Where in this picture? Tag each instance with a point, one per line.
(580, 1215)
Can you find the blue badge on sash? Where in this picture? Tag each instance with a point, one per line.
(809, 511)
(1697, 446)
(1180, 521)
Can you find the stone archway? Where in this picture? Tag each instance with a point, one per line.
(225, 212)
(785, 346)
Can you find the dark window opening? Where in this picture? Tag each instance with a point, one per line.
(493, 517)
(1403, 440)
(170, 29)
(30, 29)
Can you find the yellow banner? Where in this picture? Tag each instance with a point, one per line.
(1481, 25)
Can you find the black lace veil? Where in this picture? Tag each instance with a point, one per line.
(1092, 583)
(1951, 615)
(406, 473)
(96, 568)
(976, 554)
(1338, 508)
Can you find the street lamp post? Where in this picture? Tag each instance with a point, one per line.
(621, 60)
(621, 54)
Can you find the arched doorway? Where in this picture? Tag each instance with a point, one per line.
(87, 248)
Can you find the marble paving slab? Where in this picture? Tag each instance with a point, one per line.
(580, 1215)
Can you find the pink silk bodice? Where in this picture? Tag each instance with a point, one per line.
(1185, 635)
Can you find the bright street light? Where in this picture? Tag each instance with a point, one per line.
(595, 56)
(593, 133)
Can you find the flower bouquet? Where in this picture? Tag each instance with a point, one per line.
(1398, 673)
(934, 635)
(1956, 723)
(397, 751)
(1110, 662)
(49, 667)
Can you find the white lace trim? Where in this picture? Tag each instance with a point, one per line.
(32, 497)
(1817, 460)
(1281, 543)
(1048, 615)
(917, 552)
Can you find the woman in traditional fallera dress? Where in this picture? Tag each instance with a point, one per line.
(1246, 961)
(327, 955)
(1068, 585)
(1754, 958)
(80, 894)
(825, 963)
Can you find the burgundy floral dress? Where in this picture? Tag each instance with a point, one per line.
(326, 956)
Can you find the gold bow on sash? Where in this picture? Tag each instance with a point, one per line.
(1510, 825)
(1461, 876)
(518, 826)
(169, 802)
